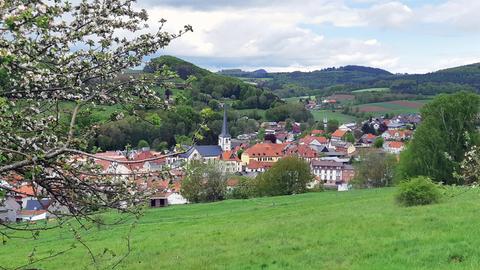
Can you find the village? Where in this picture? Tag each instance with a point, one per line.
(330, 156)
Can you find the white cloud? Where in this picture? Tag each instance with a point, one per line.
(371, 42)
(392, 14)
(259, 38)
(461, 14)
(289, 35)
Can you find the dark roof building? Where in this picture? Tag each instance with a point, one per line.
(204, 151)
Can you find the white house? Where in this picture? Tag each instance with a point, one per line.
(176, 198)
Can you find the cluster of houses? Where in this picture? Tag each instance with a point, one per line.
(329, 157)
(23, 203)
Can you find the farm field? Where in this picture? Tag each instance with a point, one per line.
(296, 99)
(359, 229)
(396, 107)
(342, 118)
(371, 90)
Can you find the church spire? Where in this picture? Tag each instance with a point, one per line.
(225, 126)
(224, 138)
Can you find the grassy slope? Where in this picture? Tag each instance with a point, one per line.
(342, 118)
(296, 99)
(355, 230)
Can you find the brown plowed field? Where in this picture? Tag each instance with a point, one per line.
(372, 109)
(409, 104)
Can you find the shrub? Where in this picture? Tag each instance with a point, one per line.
(142, 144)
(245, 189)
(418, 191)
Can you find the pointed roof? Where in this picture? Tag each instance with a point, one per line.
(224, 126)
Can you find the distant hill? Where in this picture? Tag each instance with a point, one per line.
(472, 68)
(352, 77)
(182, 67)
(322, 82)
(260, 73)
(212, 87)
(443, 81)
(330, 76)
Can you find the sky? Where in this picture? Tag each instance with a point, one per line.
(409, 36)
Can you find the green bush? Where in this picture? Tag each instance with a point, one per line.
(142, 144)
(418, 191)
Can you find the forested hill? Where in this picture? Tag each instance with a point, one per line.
(442, 81)
(331, 76)
(210, 87)
(349, 78)
(181, 67)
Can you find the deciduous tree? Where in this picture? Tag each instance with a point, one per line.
(287, 176)
(375, 169)
(449, 125)
(54, 53)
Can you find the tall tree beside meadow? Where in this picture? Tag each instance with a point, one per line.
(287, 176)
(448, 129)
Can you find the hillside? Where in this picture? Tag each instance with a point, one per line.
(442, 81)
(178, 125)
(361, 229)
(350, 78)
(355, 75)
(211, 86)
(183, 68)
(472, 68)
(260, 73)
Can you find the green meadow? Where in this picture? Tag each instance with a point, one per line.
(342, 118)
(360, 229)
(371, 90)
(297, 99)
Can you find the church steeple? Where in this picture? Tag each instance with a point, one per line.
(224, 137)
(224, 126)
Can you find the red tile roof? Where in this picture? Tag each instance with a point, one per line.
(302, 150)
(339, 133)
(310, 139)
(103, 163)
(230, 156)
(24, 191)
(266, 150)
(396, 145)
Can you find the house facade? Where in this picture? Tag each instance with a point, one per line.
(263, 152)
(331, 172)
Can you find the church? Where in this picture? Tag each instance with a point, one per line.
(211, 152)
